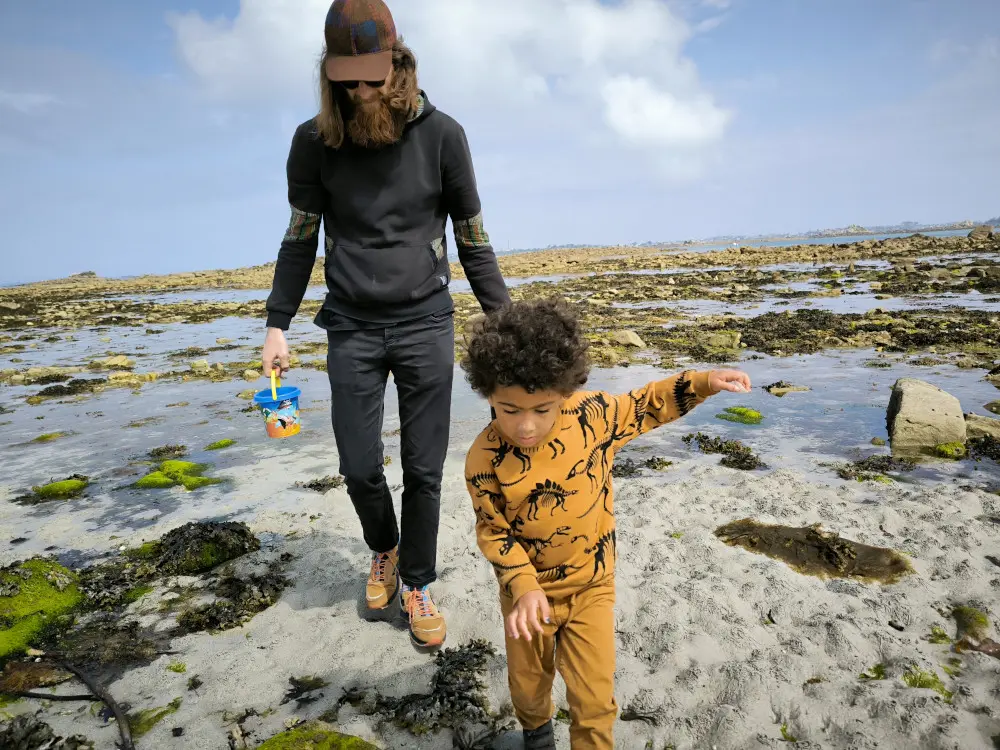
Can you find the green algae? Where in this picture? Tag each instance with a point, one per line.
(178, 667)
(874, 673)
(35, 594)
(219, 445)
(939, 636)
(786, 735)
(156, 480)
(135, 594)
(915, 677)
(741, 415)
(143, 721)
(315, 735)
(48, 437)
(64, 489)
(952, 451)
(172, 473)
(953, 668)
(145, 551)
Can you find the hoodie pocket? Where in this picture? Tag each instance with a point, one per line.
(386, 276)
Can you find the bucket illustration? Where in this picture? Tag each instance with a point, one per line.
(279, 405)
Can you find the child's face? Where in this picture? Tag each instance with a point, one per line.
(523, 417)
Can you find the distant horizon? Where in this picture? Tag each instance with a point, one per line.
(875, 229)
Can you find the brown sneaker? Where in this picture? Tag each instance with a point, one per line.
(427, 626)
(383, 580)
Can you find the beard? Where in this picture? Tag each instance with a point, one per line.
(374, 124)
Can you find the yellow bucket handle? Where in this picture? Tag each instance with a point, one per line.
(275, 383)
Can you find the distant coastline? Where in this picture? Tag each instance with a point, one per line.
(854, 230)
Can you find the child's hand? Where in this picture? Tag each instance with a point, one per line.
(735, 381)
(525, 615)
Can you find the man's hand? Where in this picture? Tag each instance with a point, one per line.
(735, 381)
(275, 352)
(528, 614)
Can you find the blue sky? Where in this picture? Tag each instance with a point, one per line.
(151, 137)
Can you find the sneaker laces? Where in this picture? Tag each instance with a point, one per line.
(419, 603)
(379, 561)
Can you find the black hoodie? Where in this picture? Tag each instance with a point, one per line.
(383, 213)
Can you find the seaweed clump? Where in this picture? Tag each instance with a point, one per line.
(874, 468)
(187, 550)
(735, 455)
(168, 452)
(321, 485)
(238, 599)
(629, 468)
(174, 473)
(28, 732)
(741, 415)
(986, 446)
(64, 489)
(812, 551)
(456, 701)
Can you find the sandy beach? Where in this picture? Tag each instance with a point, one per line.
(719, 647)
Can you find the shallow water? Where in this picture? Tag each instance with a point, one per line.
(317, 292)
(844, 303)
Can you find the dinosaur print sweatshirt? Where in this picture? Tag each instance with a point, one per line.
(545, 515)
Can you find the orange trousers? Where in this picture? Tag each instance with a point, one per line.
(580, 643)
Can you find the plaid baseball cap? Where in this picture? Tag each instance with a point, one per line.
(359, 39)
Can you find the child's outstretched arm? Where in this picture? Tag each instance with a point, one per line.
(662, 401)
(514, 570)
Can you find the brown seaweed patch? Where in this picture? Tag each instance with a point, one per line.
(457, 699)
(28, 732)
(811, 551)
(321, 485)
(239, 598)
(735, 454)
(874, 468)
(986, 446)
(186, 550)
(168, 453)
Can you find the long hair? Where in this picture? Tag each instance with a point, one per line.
(403, 94)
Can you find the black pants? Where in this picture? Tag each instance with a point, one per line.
(420, 355)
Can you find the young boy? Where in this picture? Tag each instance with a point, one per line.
(540, 480)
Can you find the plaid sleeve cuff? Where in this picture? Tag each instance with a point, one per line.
(302, 226)
(471, 232)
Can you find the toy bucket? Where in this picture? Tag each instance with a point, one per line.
(280, 408)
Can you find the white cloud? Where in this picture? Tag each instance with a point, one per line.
(520, 71)
(25, 103)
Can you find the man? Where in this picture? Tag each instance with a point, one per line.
(383, 169)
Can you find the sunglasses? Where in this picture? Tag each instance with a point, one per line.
(355, 84)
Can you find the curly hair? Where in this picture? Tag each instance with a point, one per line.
(534, 344)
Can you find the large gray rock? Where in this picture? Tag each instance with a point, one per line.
(921, 416)
(977, 426)
(983, 232)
